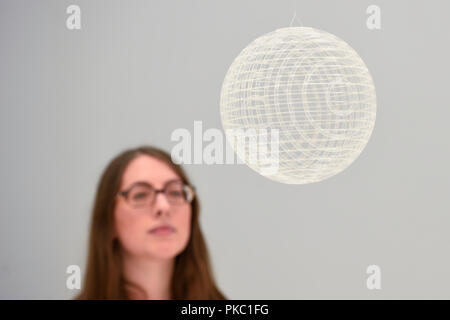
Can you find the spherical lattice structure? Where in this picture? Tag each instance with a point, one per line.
(314, 89)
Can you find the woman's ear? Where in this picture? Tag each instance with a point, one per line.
(115, 234)
(114, 227)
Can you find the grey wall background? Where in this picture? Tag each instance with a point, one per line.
(71, 100)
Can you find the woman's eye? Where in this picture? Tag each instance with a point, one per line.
(140, 195)
(176, 193)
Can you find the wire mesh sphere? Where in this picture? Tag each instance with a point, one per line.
(310, 86)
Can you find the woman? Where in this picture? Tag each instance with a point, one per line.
(145, 238)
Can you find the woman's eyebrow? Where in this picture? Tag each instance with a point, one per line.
(141, 182)
(172, 180)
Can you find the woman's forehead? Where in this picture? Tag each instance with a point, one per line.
(148, 169)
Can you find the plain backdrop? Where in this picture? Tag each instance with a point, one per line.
(137, 70)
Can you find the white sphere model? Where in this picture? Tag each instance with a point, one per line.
(314, 89)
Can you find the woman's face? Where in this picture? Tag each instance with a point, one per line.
(133, 225)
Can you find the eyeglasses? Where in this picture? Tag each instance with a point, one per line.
(141, 194)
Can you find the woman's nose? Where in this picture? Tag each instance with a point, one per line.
(161, 204)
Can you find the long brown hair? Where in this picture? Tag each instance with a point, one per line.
(192, 276)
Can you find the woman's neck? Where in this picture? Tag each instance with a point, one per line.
(152, 275)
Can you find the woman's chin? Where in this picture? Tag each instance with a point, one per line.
(164, 252)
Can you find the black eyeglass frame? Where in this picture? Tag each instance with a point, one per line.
(189, 190)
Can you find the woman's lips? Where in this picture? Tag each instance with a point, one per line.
(162, 230)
